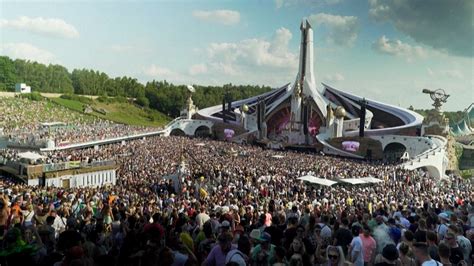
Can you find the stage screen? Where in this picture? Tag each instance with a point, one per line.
(351, 146)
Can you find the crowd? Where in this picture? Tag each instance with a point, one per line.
(181, 201)
(25, 122)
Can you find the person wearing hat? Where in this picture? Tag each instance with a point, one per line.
(442, 228)
(265, 251)
(224, 227)
(389, 256)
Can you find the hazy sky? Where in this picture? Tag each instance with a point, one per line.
(381, 49)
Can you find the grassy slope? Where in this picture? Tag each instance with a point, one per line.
(124, 113)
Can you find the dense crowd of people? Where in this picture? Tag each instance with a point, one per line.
(182, 201)
(26, 122)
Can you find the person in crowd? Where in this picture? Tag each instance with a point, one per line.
(422, 255)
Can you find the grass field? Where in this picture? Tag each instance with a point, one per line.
(124, 113)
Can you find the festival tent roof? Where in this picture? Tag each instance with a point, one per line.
(464, 128)
(353, 181)
(316, 180)
(200, 144)
(30, 156)
(371, 179)
(50, 124)
(278, 156)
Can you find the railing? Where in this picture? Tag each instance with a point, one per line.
(74, 165)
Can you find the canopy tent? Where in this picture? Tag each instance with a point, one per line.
(52, 124)
(30, 156)
(200, 144)
(278, 156)
(354, 181)
(371, 179)
(316, 180)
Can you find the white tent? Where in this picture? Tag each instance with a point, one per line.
(316, 180)
(30, 156)
(200, 144)
(371, 179)
(278, 156)
(353, 181)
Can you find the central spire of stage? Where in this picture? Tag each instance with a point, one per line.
(305, 81)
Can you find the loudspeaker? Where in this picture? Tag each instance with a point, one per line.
(259, 116)
(223, 110)
(369, 154)
(362, 120)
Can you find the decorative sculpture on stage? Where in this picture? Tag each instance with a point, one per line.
(436, 123)
(439, 97)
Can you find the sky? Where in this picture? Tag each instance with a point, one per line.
(380, 49)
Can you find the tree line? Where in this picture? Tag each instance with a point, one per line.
(160, 95)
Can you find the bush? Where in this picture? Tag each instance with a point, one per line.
(103, 99)
(78, 98)
(143, 101)
(34, 96)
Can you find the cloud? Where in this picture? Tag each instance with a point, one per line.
(43, 26)
(162, 73)
(256, 52)
(397, 48)
(288, 3)
(334, 78)
(343, 30)
(444, 25)
(198, 69)
(28, 52)
(450, 73)
(430, 72)
(453, 73)
(121, 48)
(226, 17)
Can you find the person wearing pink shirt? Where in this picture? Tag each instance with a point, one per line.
(368, 245)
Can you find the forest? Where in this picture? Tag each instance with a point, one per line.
(161, 95)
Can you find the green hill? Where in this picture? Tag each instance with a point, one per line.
(117, 111)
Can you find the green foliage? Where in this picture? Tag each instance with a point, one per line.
(170, 99)
(159, 95)
(34, 96)
(78, 98)
(71, 104)
(454, 117)
(120, 112)
(143, 101)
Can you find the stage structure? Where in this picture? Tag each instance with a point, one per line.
(298, 115)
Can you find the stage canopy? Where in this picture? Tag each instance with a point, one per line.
(315, 180)
(30, 156)
(372, 179)
(354, 181)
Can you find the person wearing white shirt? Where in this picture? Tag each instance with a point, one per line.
(355, 250)
(422, 255)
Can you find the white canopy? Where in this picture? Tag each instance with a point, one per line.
(316, 180)
(353, 181)
(30, 156)
(278, 156)
(200, 144)
(371, 179)
(50, 124)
